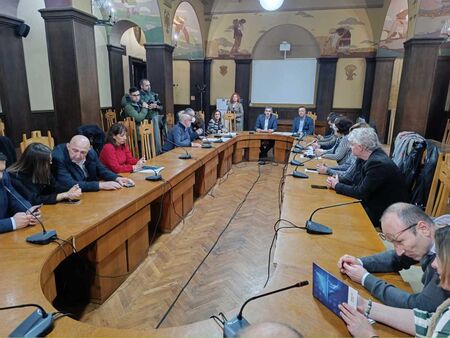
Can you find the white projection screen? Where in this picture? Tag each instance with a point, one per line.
(289, 81)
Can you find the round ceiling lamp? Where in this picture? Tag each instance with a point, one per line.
(271, 5)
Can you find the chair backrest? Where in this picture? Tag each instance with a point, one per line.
(36, 137)
(170, 119)
(2, 128)
(201, 114)
(313, 116)
(275, 114)
(147, 139)
(230, 121)
(446, 137)
(110, 117)
(132, 139)
(438, 198)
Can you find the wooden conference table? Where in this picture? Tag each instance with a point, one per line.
(110, 228)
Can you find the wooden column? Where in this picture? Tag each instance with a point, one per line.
(14, 94)
(115, 54)
(438, 116)
(160, 72)
(379, 114)
(200, 75)
(417, 86)
(242, 86)
(325, 86)
(73, 68)
(368, 87)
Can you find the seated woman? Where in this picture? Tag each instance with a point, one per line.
(341, 150)
(215, 125)
(115, 153)
(413, 322)
(380, 182)
(32, 177)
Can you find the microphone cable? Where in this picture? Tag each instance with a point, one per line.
(238, 208)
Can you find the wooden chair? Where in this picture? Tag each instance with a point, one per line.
(2, 128)
(110, 116)
(170, 119)
(446, 137)
(202, 115)
(230, 121)
(132, 139)
(147, 139)
(438, 198)
(313, 116)
(275, 114)
(36, 137)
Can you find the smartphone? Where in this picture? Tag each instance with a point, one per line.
(312, 169)
(33, 209)
(316, 186)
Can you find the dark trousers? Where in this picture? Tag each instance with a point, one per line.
(266, 145)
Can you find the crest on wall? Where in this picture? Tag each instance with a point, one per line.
(350, 71)
(223, 70)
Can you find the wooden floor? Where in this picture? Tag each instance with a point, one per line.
(234, 271)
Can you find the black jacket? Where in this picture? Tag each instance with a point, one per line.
(381, 185)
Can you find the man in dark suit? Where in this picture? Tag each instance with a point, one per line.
(266, 123)
(302, 123)
(75, 163)
(411, 232)
(13, 214)
(381, 183)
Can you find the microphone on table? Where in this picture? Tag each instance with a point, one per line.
(38, 324)
(206, 144)
(186, 156)
(233, 326)
(320, 229)
(42, 238)
(299, 174)
(155, 177)
(299, 146)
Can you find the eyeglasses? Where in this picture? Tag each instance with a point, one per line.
(394, 238)
(135, 94)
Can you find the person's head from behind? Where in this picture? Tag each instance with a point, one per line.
(342, 126)
(145, 85)
(135, 95)
(117, 134)
(442, 260)
(409, 229)
(35, 161)
(191, 113)
(235, 98)
(301, 112)
(78, 148)
(363, 141)
(268, 111)
(186, 120)
(359, 125)
(217, 116)
(331, 118)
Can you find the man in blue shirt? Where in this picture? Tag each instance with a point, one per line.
(13, 214)
(179, 135)
(303, 124)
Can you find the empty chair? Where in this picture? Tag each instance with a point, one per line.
(230, 121)
(36, 136)
(147, 139)
(313, 116)
(438, 198)
(132, 139)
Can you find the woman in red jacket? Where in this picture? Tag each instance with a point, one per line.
(115, 153)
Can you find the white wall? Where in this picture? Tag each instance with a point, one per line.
(36, 57)
(133, 49)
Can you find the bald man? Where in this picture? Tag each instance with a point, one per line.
(76, 163)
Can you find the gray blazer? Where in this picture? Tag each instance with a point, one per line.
(428, 300)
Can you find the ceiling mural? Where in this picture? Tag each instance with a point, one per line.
(144, 13)
(344, 33)
(395, 29)
(186, 34)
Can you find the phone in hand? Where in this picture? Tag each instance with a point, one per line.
(33, 209)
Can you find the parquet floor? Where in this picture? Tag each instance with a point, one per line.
(234, 271)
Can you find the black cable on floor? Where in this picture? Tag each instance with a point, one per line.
(238, 208)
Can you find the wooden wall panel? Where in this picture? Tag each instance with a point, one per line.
(242, 86)
(368, 87)
(115, 55)
(325, 86)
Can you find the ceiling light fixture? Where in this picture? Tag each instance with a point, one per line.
(271, 5)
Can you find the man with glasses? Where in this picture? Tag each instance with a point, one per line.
(134, 107)
(411, 232)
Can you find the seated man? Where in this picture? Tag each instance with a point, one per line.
(302, 123)
(266, 123)
(13, 214)
(381, 183)
(197, 127)
(75, 163)
(179, 135)
(133, 106)
(411, 232)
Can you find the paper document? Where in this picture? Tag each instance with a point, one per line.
(150, 169)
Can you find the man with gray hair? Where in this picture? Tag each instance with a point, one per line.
(411, 232)
(381, 182)
(179, 135)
